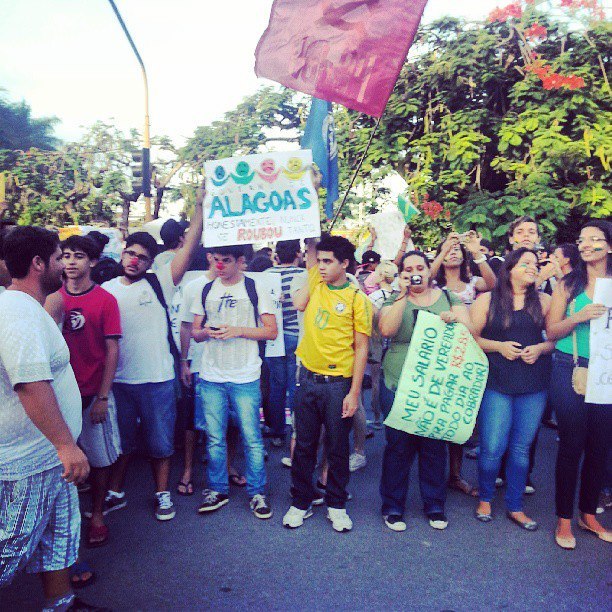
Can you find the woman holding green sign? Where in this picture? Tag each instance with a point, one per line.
(396, 322)
(508, 325)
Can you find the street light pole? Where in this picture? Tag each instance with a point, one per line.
(146, 149)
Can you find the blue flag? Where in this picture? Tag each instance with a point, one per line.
(320, 137)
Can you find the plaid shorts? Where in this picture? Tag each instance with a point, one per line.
(101, 442)
(40, 524)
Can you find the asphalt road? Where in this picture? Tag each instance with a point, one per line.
(231, 560)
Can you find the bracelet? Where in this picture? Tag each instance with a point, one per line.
(102, 398)
(185, 360)
(481, 260)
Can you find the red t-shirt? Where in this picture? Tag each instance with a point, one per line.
(89, 318)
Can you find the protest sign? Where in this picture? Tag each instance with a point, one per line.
(442, 382)
(258, 198)
(271, 284)
(599, 380)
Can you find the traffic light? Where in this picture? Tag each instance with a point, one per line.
(141, 173)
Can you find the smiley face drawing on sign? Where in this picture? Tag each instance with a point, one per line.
(295, 168)
(243, 174)
(268, 171)
(220, 177)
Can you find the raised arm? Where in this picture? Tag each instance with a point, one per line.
(182, 259)
(406, 245)
(488, 278)
(451, 241)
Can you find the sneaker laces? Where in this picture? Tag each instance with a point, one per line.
(258, 501)
(209, 496)
(164, 500)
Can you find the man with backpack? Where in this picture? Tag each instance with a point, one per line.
(233, 319)
(145, 383)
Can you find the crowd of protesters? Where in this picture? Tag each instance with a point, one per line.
(99, 362)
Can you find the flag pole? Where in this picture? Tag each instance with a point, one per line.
(355, 174)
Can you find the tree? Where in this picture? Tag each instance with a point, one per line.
(19, 130)
(497, 120)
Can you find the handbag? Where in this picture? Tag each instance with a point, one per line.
(579, 374)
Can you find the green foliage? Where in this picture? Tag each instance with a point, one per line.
(19, 130)
(467, 126)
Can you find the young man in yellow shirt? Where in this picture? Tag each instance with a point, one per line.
(333, 354)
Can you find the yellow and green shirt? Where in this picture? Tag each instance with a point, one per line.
(332, 316)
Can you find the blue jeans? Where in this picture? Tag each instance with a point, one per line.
(398, 457)
(244, 401)
(282, 385)
(507, 422)
(154, 405)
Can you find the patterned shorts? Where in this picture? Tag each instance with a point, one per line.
(101, 442)
(40, 524)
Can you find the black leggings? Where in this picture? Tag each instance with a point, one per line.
(584, 429)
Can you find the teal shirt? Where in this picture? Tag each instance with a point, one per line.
(583, 330)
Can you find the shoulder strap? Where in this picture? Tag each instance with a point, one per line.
(445, 291)
(205, 291)
(574, 339)
(249, 285)
(152, 279)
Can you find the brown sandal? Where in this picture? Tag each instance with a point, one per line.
(464, 486)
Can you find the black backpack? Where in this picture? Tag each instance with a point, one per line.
(249, 285)
(106, 269)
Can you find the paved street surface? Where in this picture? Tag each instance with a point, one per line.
(231, 560)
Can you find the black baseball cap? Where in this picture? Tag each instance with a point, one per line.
(370, 257)
(171, 231)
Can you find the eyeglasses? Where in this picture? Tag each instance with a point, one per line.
(582, 241)
(138, 256)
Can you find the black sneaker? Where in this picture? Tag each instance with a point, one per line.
(395, 522)
(212, 501)
(438, 520)
(260, 507)
(111, 503)
(78, 605)
(529, 488)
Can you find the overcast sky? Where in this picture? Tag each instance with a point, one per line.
(70, 58)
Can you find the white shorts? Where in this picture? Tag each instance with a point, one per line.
(101, 441)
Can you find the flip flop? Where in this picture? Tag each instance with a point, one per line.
(79, 568)
(187, 488)
(97, 536)
(237, 480)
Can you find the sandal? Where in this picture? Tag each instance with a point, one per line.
(77, 570)
(237, 480)
(464, 486)
(97, 536)
(184, 488)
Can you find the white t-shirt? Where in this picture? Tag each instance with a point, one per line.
(32, 349)
(192, 292)
(144, 354)
(236, 360)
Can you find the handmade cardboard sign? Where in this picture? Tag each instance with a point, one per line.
(260, 198)
(599, 379)
(442, 382)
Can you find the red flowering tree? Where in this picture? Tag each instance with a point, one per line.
(493, 120)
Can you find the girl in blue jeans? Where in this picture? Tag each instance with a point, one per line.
(508, 325)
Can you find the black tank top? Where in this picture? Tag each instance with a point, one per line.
(514, 377)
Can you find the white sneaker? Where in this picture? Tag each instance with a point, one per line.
(295, 517)
(286, 462)
(340, 519)
(357, 461)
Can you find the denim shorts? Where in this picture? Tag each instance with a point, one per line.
(41, 524)
(154, 406)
